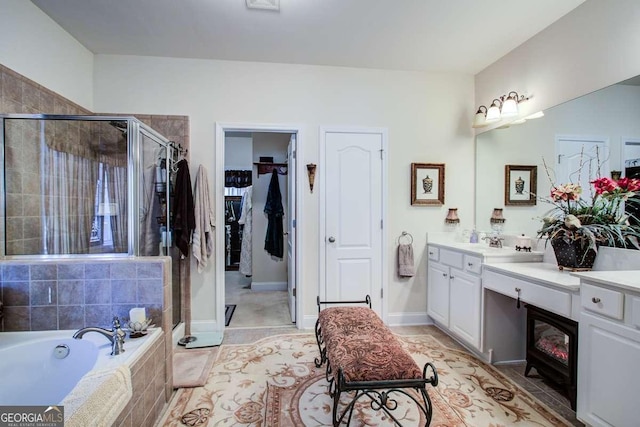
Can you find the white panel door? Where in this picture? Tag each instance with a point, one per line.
(291, 226)
(353, 217)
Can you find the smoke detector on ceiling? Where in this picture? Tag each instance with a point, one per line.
(264, 4)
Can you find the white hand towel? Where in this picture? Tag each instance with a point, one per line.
(405, 261)
(202, 245)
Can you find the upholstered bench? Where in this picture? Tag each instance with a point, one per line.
(363, 356)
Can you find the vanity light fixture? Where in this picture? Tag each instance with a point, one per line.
(480, 119)
(493, 114)
(502, 107)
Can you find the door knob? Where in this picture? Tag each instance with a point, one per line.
(332, 239)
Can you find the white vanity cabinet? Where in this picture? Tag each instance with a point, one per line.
(609, 349)
(454, 292)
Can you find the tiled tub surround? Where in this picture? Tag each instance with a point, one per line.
(44, 295)
(149, 389)
(87, 292)
(137, 402)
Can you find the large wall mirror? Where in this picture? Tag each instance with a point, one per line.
(605, 123)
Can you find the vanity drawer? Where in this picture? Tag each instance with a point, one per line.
(473, 264)
(607, 302)
(635, 312)
(434, 253)
(451, 258)
(533, 293)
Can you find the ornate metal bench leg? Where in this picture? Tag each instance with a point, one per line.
(323, 351)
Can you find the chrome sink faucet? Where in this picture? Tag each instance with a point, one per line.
(494, 241)
(115, 335)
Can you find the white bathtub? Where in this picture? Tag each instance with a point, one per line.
(32, 375)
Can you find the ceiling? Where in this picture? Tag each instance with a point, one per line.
(462, 36)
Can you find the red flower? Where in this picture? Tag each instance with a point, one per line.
(604, 185)
(629, 184)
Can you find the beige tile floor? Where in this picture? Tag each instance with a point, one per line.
(255, 308)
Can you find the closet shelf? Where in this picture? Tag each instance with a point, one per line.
(264, 168)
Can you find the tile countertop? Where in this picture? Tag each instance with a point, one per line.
(624, 279)
(541, 272)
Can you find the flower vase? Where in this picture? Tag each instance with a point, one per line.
(574, 255)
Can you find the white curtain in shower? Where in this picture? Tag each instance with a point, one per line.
(116, 178)
(69, 188)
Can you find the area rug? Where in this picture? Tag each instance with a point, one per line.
(228, 312)
(191, 368)
(274, 382)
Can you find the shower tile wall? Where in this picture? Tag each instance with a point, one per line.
(19, 94)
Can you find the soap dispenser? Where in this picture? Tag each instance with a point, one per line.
(474, 236)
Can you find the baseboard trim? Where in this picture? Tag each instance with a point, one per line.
(269, 286)
(408, 319)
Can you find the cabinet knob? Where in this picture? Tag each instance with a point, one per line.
(595, 300)
(451, 277)
(332, 239)
(430, 253)
(470, 264)
(444, 274)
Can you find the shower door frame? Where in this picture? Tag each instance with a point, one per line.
(135, 128)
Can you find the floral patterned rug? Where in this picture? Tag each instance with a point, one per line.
(274, 382)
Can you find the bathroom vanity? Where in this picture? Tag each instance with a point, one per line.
(454, 294)
(609, 348)
(479, 295)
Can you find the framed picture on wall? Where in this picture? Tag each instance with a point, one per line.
(520, 185)
(427, 184)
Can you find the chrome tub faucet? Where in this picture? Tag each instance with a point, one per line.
(115, 335)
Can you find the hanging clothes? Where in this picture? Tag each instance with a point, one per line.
(202, 246)
(247, 221)
(274, 242)
(183, 216)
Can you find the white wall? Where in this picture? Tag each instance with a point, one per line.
(612, 113)
(427, 116)
(267, 269)
(238, 153)
(594, 46)
(33, 45)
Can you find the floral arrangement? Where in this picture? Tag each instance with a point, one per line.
(599, 221)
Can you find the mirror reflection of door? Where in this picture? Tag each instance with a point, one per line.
(580, 160)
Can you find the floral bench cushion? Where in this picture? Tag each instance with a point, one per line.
(359, 343)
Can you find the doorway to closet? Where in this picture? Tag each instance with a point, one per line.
(259, 209)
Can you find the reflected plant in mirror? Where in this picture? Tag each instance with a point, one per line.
(578, 225)
(606, 120)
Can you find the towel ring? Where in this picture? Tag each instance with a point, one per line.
(408, 236)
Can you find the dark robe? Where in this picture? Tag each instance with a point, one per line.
(274, 242)
(183, 218)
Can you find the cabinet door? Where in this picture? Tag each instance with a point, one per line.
(464, 306)
(608, 372)
(438, 293)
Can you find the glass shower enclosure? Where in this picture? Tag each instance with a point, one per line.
(75, 186)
